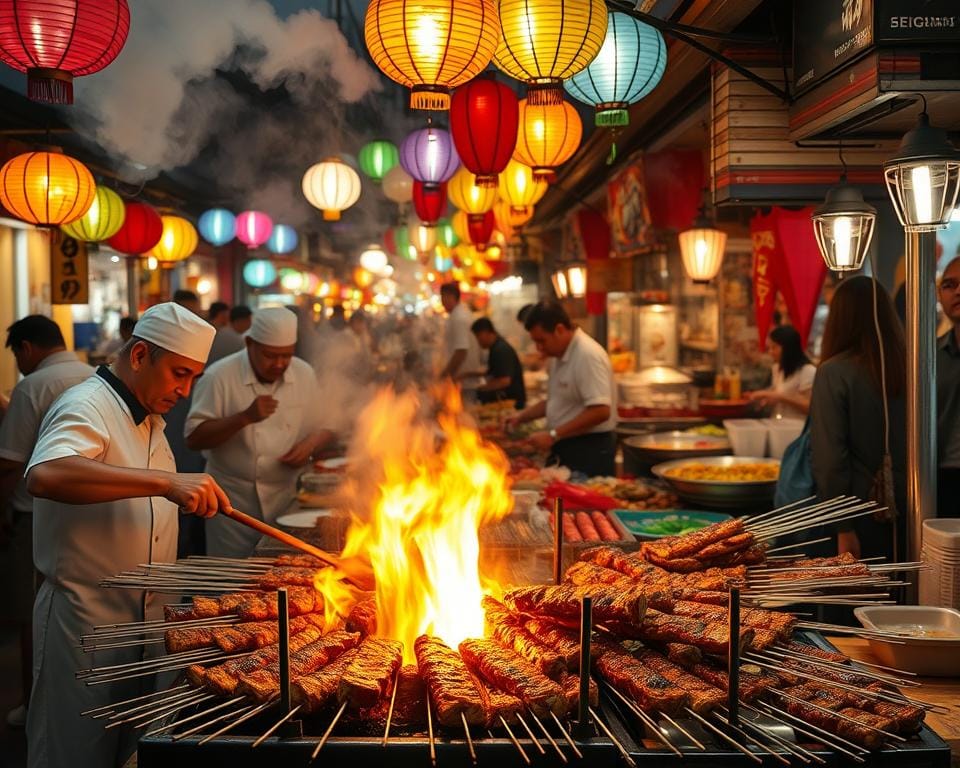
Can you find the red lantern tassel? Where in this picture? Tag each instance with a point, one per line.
(49, 86)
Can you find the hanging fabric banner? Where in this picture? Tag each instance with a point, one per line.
(765, 263)
(594, 234)
(801, 270)
(675, 180)
(630, 225)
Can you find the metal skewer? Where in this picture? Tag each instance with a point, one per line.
(326, 733)
(163, 710)
(430, 737)
(112, 707)
(519, 747)
(219, 719)
(616, 742)
(810, 704)
(152, 705)
(276, 726)
(648, 721)
(393, 699)
(819, 734)
(533, 739)
(695, 742)
(230, 726)
(466, 732)
(557, 540)
(797, 751)
(145, 723)
(198, 715)
(756, 742)
(566, 736)
(543, 728)
(731, 741)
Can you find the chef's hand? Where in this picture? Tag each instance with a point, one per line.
(510, 423)
(848, 541)
(542, 440)
(301, 453)
(764, 397)
(197, 494)
(262, 407)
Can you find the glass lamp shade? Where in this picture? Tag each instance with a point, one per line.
(701, 250)
(923, 179)
(843, 227)
(577, 281)
(559, 280)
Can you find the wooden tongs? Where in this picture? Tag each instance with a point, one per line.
(355, 571)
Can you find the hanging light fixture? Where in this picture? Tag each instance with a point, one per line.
(549, 135)
(178, 240)
(446, 234)
(103, 219)
(469, 196)
(46, 188)
(429, 203)
(217, 226)
(481, 229)
(429, 156)
(431, 46)
(377, 158)
(923, 178)
(54, 41)
(332, 186)
(374, 259)
(398, 185)
(484, 118)
(141, 230)
(843, 227)
(545, 42)
(559, 280)
(422, 237)
(520, 187)
(253, 228)
(577, 281)
(701, 249)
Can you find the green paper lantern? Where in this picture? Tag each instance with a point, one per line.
(377, 158)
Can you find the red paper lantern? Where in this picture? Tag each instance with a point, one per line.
(481, 229)
(54, 41)
(484, 119)
(141, 230)
(430, 203)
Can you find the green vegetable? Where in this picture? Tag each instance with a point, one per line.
(673, 526)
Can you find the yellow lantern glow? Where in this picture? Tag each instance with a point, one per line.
(362, 278)
(701, 250)
(545, 42)
(178, 241)
(549, 135)
(510, 219)
(432, 46)
(102, 220)
(520, 187)
(422, 237)
(332, 186)
(46, 188)
(464, 193)
(461, 226)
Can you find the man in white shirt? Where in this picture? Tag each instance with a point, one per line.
(254, 414)
(462, 350)
(229, 338)
(49, 369)
(581, 394)
(106, 498)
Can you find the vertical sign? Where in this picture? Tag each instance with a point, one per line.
(69, 282)
(763, 233)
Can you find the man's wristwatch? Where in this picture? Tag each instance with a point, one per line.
(553, 435)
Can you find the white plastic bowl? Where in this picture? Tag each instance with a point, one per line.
(923, 655)
(780, 433)
(748, 437)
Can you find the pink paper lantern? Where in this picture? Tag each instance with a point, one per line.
(254, 228)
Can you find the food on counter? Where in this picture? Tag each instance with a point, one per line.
(736, 473)
(318, 690)
(671, 525)
(707, 430)
(633, 494)
(452, 688)
(561, 603)
(370, 676)
(582, 526)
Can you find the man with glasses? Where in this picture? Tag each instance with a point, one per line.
(948, 396)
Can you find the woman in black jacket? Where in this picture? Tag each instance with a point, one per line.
(846, 410)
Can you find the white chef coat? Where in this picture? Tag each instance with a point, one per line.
(75, 546)
(246, 466)
(800, 382)
(581, 378)
(29, 401)
(457, 335)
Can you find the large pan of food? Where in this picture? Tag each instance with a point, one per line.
(667, 446)
(725, 482)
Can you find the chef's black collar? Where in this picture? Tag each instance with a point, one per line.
(137, 410)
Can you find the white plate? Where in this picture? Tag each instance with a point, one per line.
(336, 463)
(305, 518)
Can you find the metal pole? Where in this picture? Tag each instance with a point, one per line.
(582, 730)
(733, 656)
(921, 380)
(133, 286)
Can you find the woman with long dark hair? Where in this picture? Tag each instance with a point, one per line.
(793, 375)
(863, 353)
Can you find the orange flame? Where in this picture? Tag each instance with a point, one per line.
(422, 490)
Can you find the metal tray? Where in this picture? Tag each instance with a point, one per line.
(667, 446)
(717, 494)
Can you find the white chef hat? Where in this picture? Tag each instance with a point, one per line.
(274, 327)
(177, 330)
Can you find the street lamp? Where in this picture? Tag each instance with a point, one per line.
(577, 281)
(559, 280)
(843, 227)
(701, 249)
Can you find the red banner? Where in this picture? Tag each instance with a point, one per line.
(594, 233)
(765, 262)
(674, 181)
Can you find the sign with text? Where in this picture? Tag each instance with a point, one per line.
(826, 35)
(918, 21)
(69, 276)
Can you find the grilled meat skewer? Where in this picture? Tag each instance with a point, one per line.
(371, 674)
(452, 689)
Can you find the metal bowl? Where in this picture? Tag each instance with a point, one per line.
(666, 446)
(719, 494)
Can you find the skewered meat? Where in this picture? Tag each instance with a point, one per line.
(682, 654)
(571, 691)
(224, 678)
(811, 650)
(672, 547)
(711, 637)
(299, 561)
(852, 731)
(371, 674)
(763, 639)
(583, 572)
(188, 639)
(726, 546)
(234, 638)
(261, 606)
(409, 707)
(317, 690)
(497, 704)
(757, 618)
(287, 576)
(562, 603)
(453, 690)
(753, 684)
(363, 617)
(703, 696)
(225, 605)
(508, 629)
(264, 683)
(651, 691)
(752, 555)
(500, 667)
(711, 579)
(562, 640)
(179, 613)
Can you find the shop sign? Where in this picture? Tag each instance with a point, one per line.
(929, 21)
(69, 277)
(827, 34)
(764, 279)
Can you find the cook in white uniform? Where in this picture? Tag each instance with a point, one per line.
(255, 415)
(460, 345)
(106, 499)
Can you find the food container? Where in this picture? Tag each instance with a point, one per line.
(780, 433)
(940, 554)
(720, 494)
(928, 641)
(658, 388)
(748, 437)
(524, 502)
(642, 452)
(670, 522)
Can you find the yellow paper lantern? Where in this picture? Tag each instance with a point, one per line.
(464, 193)
(102, 220)
(178, 241)
(432, 46)
(461, 226)
(519, 187)
(549, 135)
(509, 218)
(545, 42)
(422, 237)
(332, 186)
(46, 188)
(362, 278)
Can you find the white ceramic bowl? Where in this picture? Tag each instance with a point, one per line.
(927, 642)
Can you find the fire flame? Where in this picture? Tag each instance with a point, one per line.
(421, 490)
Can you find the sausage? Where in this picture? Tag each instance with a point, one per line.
(587, 529)
(570, 531)
(604, 526)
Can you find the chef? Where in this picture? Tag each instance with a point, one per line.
(581, 395)
(105, 500)
(255, 414)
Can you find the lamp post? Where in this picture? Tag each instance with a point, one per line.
(843, 227)
(923, 180)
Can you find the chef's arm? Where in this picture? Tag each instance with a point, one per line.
(453, 365)
(211, 433)
(491, 385)
(78, 480)
(534, 412)
(584, 421)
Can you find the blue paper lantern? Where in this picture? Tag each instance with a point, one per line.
(217, 226)
(629, 65)
(283, 239)
(259, 273)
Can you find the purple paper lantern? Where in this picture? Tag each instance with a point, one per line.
(429, 156)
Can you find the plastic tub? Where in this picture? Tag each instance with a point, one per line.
(748, 437)
(782, 432)
(928, 641)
